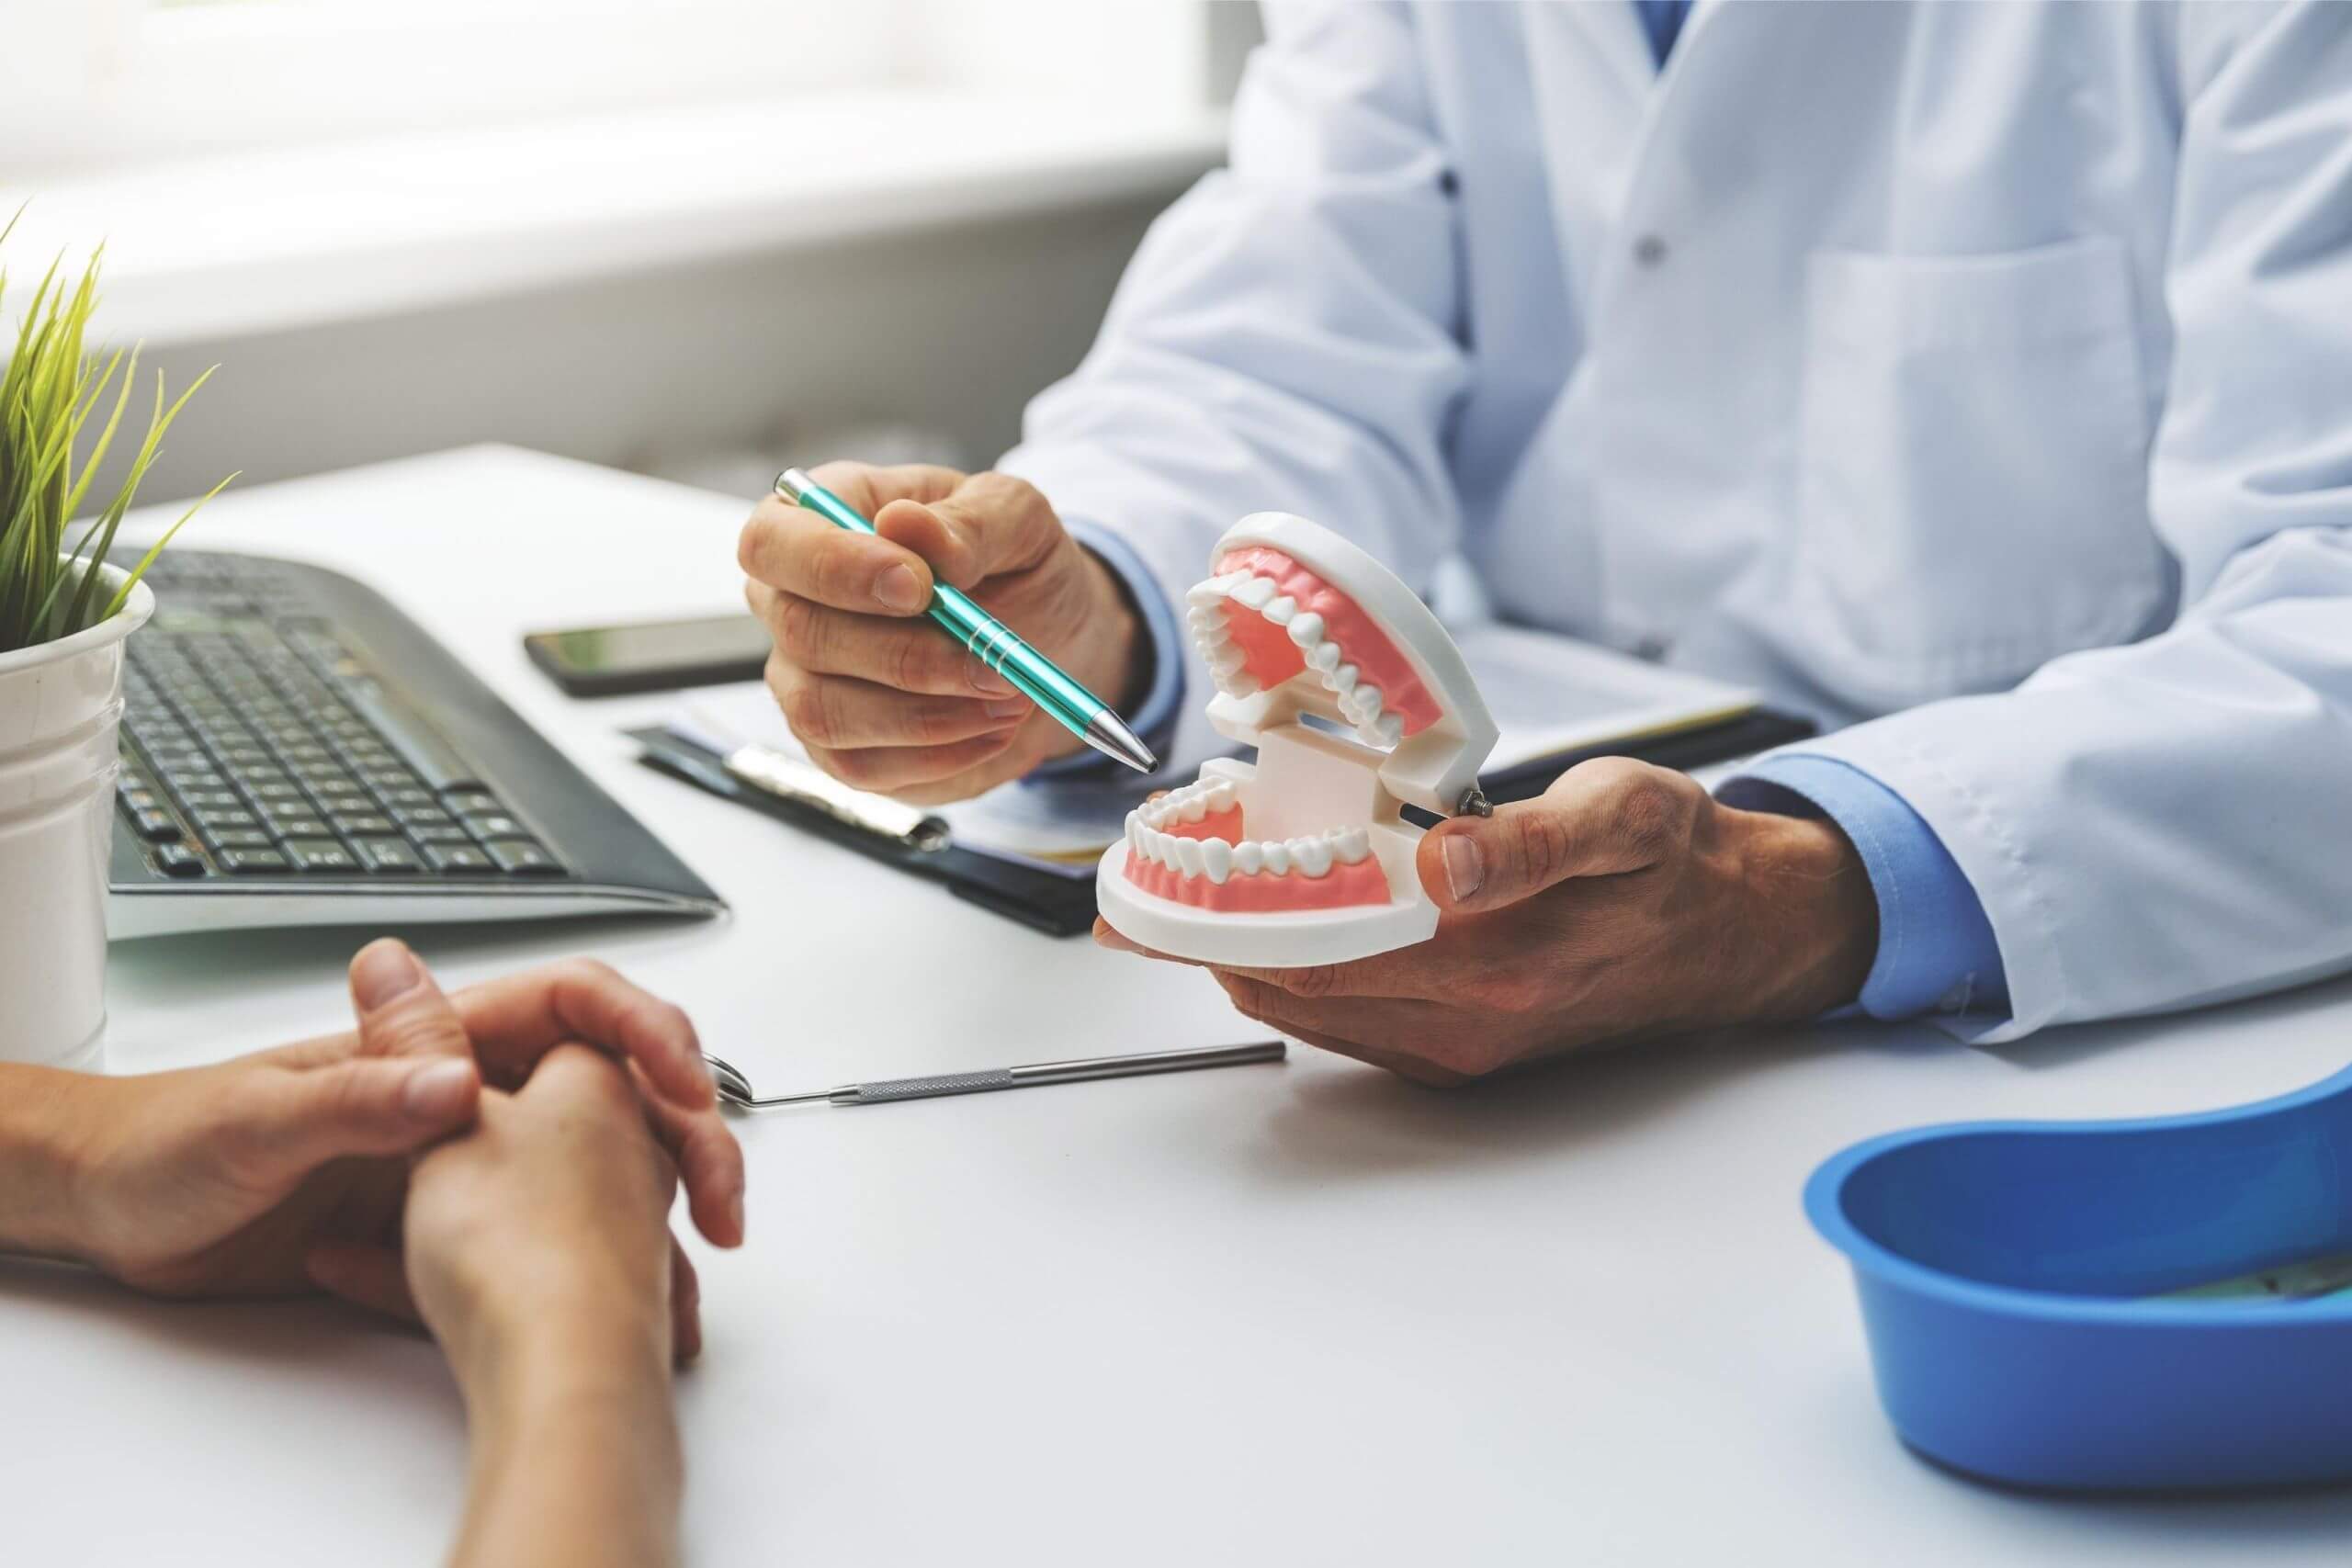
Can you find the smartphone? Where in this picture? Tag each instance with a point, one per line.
(653, 656)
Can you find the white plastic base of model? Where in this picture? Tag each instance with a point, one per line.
(59, 704)
(1278, 939)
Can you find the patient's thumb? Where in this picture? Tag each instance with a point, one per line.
(360, 1107)
(401, 1012)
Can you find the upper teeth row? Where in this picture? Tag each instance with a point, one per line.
(1189, 804)
(1359, 702)
(1216, 860)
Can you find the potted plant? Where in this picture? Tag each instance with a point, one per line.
(65, 615)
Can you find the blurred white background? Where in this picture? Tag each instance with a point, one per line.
(694, 237)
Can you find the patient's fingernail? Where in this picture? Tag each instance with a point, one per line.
(898, 589)
(735, 1212)
(436, 1092)
(1466, 868)
(385, 971)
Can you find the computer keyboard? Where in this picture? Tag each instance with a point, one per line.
(295, 751)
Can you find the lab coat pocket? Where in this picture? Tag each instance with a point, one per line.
(1972, 485)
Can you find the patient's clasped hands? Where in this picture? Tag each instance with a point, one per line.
(411, 1164)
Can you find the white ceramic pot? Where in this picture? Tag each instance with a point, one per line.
(60, 706)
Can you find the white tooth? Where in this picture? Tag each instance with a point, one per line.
(1312, 856)
(1276, 857)
(1255, 593)
(1325, 655)
(1216, 860)
(1306, 630)
(1231, 580)
(1391, 727)
(1249, 857)
(1220, 795)
(1227, 661)
(1188, 855)
(1280, 611)
(1194, 806)
(1368, 701)
(1342, 679)
(1134, 832)
(1234, 687)
(1350, 844)
(1203, 596)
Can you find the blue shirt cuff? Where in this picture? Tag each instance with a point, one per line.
(1936, 948)
(1154, 719)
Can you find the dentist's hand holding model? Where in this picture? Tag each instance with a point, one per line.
(1970, 377)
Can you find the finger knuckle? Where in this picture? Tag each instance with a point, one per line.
(751, 544)
(590, 972)
(1649, 814)
(1542, 843)
(806, 710)
(916, 662)
(1312, 983)
(797, 626)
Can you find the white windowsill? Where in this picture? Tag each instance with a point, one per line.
(259, 241)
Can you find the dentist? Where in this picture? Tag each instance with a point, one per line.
(1977, 378)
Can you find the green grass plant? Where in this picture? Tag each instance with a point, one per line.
(52, 387)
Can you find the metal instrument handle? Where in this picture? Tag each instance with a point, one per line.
(922, 1088)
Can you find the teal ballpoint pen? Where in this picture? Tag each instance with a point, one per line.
(1074, 707)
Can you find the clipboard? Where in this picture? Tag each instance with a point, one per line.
(1056, 905)
(1064, 906)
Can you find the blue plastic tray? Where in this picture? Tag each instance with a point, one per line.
(2003, 1265)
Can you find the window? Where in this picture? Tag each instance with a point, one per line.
(101, 82)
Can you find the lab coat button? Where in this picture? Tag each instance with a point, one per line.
(1649, 250)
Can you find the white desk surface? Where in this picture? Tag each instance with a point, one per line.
(1297, 1315)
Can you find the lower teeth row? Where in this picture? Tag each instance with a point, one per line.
(1216, 860)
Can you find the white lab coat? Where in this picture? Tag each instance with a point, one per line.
(1983, 367)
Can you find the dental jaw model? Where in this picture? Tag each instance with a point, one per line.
(1303, 857)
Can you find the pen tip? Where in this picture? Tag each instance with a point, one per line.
(1108, 734)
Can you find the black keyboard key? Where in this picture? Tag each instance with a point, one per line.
(400, 799)
(455, 858)
(467, 801)
(387, 855)
(209, 822)
(157, 826)
(299, 825)
(522, 857)
(320, 854)
(261, 792)
(204, 800)
(415, 816)
(253, 863)
(440, 833)
(493, 825)
(178, 861)
(240, 838)
(367, 823)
